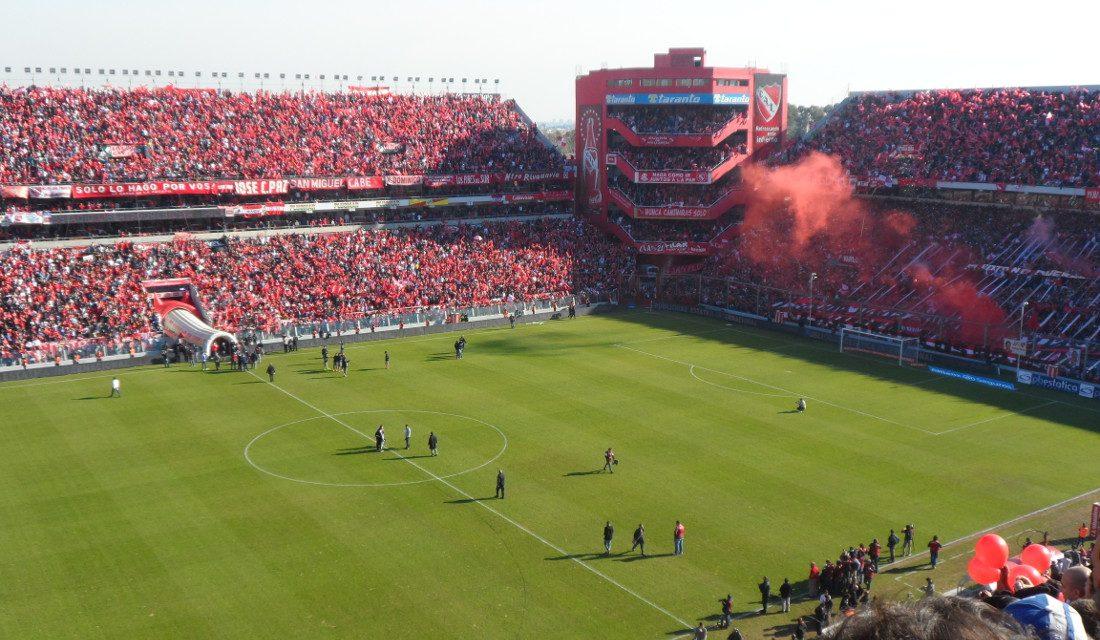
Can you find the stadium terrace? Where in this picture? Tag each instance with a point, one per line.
(293, 338)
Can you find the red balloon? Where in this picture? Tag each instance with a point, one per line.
(1038, 556)
(1025, 571)
(982, 573)
(992, 550)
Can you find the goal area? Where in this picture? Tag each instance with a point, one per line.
(897, 348)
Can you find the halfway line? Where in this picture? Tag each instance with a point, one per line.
(481, 504)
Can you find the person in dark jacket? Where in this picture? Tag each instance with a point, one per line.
(639, 539)
(500, 484)
(608, 536)
(271, 372)
(765, 588)
(785, 595)
(892, 543)
(433, 443)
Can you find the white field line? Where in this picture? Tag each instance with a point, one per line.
(491, 510)
(691, 370)
(991, 529)
(121, 372)
(999, 417)
(788, 391)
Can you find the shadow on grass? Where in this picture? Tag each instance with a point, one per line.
(648, 556)
(440, 356)
(355, 451)
(94, 398)
(594, 472)
(1070, 410)
(469, 500)
(585, 557)
(401, 458)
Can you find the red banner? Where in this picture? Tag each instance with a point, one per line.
(672, 177)
(683, 213)
(316, 184)
(1092, 195)
(404, 181)
(669, 140)
(260, 187)
(159, 188)
(17, 192)
(363, 183)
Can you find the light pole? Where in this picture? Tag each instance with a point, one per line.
(813, 276)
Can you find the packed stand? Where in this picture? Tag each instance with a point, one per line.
(957, 261)
(677, 120)
(643, 230)
(1017, 136)
(62, 135)
(675, 195)
(678, 158)
(94, 293)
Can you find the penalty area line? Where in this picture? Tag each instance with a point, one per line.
(691, 365)
(509, 520)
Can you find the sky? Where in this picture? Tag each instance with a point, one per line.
(536, 48)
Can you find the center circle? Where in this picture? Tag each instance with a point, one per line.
(338, 450)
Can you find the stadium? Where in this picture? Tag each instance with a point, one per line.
(732, 368)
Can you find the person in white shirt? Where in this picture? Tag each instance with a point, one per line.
(116, 388)
(408, 435)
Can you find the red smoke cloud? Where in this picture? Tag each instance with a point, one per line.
(803, 217)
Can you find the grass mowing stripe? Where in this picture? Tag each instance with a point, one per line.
(481, 504)
(770, 386)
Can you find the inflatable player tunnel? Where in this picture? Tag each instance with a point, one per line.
(182, 316)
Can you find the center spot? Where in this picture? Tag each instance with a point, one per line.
(322, 451)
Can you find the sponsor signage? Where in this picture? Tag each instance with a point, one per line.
(970, 377)
(673, 247)
(677, 98)
(1066, 385)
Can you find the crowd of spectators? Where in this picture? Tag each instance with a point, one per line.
(63, 135)
(1017, 136)
(644, 230)
(675, 195)
(679, 119)
(928, 284)
(678, 158)
(94, 293)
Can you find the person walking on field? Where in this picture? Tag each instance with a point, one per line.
(892, 543)
(116, 388)
(324, 358)
(408, 435)
(608, 536)
(678, 539)
(387, 359)
(500, 484)
(785, 595)
(608, 460)
(271, 372)
(639, 539)
(433, 443)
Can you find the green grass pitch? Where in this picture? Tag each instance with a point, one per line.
(202, 505)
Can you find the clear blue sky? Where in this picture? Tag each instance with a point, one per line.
(536, 47)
